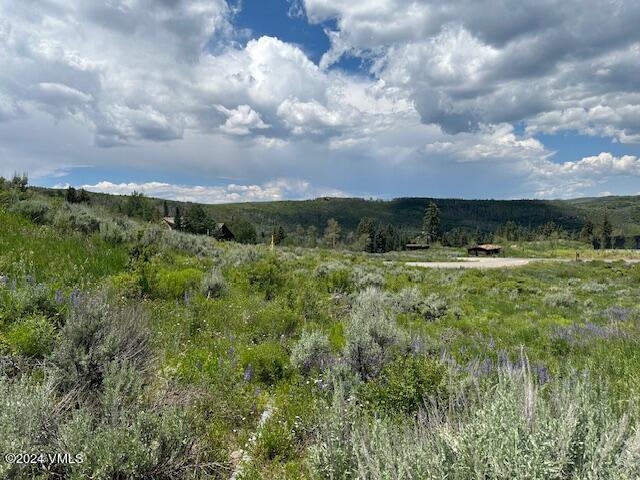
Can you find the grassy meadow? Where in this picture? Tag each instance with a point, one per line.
(159, 354)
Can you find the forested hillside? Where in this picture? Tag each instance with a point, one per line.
(407, 213)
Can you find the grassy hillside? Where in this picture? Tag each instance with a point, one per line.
(149, 353)
(407, 213)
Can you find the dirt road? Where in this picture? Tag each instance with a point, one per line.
(476, 262)
(494, 262)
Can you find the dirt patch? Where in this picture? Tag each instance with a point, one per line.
(476, 262)
(498, 262)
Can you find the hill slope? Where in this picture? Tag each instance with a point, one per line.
(407, 213)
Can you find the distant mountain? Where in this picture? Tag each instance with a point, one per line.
(407, 213)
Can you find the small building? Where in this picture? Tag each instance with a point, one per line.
(486, 249)
(222, 232)
(417, 246)
(169, 223)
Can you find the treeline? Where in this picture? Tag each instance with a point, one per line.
(451, 223)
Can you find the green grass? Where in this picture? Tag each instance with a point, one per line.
(49, 256)
(216, 363)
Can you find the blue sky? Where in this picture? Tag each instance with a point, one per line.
(221, 101)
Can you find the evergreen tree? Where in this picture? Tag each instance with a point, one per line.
(137, 205)
(278, 234)
(70, 196)
(165, 209)
(607, 231)
(83, 196)
(332, 232)
(244, 231)
(312, 236)
(197, 220)
(365, 233)
(587, 231)
(177, 219)
(20, 182)
(431, 223)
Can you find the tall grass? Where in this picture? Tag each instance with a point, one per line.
(510, 429)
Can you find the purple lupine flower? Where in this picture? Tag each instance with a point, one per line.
(59, 297)
(257, 392)
(187, 298)
(4, 279)
(542, 373)
(617, 314)
(75, 297)
(30, 280)
(248, 373)
(231, 351)
(486, 366)
(492, 343)
(503, 359)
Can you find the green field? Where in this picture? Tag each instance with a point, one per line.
(159, 354)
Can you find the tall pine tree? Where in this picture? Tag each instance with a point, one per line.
(431, 223)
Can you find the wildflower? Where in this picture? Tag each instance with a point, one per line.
(75, 297)
(248, 373)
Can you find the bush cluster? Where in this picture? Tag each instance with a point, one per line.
(312, 352)
(371, 334)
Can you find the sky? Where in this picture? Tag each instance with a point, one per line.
(257, 100)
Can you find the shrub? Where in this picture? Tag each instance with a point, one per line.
(339, 281)
(366, 278)
(28, 299)
(213, 284)
(274, 321)
(563, 299)
(28, 423)
(77, 217)
(198, 245)
(174, 284)
(96, 336)
(144, 445)
(36, 210)
(405, 385)
(127, 284)
(266, 276)
(371, 334)
(117, 232)
(32, 336)
(509, 430)
(267, 362)
(311, 352)
(275, 442)
(242, 255)
(411, 300)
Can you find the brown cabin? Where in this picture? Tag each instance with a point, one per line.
(222, 232)
(486, 249)
(417, 246)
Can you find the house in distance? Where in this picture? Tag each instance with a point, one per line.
(417, 246)
(486, 249)
(169, 223)
(222, 232)
(219, 232)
